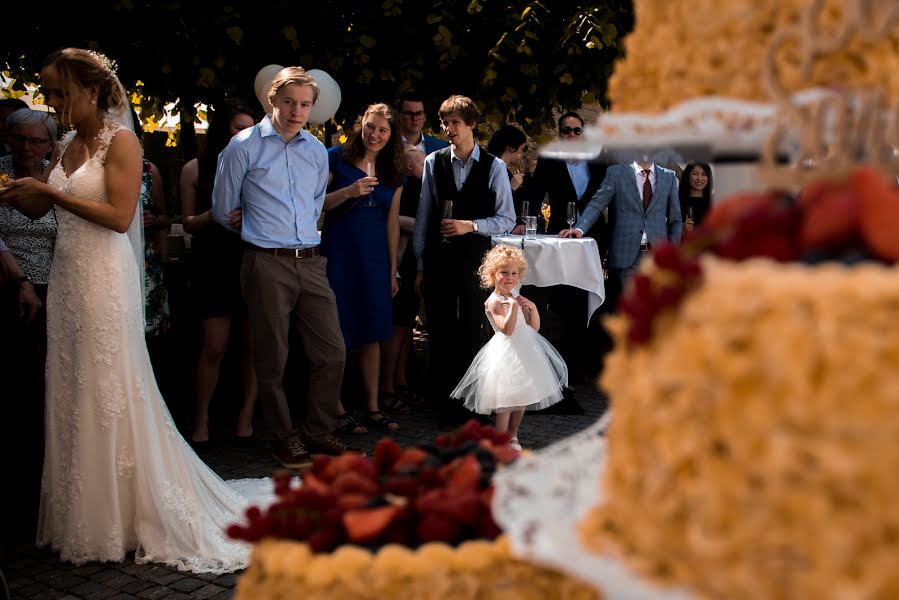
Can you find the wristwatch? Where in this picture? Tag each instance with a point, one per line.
(474, 226)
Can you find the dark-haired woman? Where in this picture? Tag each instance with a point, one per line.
(360, 237)
(695, 191)
(216, 256)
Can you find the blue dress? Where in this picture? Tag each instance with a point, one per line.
(355, 243)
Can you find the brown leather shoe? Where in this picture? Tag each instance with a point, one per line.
(291, 453)
(330, 446)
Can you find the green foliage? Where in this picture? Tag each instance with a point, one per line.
(519, 59)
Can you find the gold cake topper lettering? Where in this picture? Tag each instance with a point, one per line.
(837, 132)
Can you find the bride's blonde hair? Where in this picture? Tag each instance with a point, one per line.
(496, 257)
(81, 69)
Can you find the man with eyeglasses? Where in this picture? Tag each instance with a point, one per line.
(570, 181)
(411, 107)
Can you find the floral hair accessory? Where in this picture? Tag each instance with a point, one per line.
(105, 62)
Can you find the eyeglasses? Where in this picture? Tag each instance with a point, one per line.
(419, 114)
(570, 130)
(21, 139)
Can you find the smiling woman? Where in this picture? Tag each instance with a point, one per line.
(360, 237)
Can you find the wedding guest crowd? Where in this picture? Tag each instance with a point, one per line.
(405, 219)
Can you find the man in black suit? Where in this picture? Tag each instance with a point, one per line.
(572, 181)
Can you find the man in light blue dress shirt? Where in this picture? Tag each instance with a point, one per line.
(270, 184)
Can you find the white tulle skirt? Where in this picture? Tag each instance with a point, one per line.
(512, 372)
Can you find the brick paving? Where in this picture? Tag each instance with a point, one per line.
(37, 574)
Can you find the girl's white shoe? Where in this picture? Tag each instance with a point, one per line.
(514, 445)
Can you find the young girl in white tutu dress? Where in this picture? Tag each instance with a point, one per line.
(517, 370)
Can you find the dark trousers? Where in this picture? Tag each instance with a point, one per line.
(279, 290)
(23, 356)
(454, 303)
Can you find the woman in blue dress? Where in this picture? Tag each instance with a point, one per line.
(360, 237)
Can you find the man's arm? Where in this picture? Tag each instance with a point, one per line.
(504, 220)
(29, 303)
(598, 203)
(231, 169)
(675, 219)
(423, 215)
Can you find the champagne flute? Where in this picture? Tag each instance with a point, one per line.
(370, 172)
(447, 214)
(572, 214)
(524, 211)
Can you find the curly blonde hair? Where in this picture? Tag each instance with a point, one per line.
(498, 256)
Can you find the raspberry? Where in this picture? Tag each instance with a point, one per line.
(666, 256)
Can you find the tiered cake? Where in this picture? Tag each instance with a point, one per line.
(752, 452)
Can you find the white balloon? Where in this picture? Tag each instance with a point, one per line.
(328, 98)
(263, 84)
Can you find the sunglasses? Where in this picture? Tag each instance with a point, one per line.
(570, 130)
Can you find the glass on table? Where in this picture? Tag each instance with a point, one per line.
(572, 214)
(530, 227)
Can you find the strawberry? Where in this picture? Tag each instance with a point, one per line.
(832, 221)
(348, 461)
(352, 501)
(665, 255)
(464, 508)
(728, 211)
(436, 528)
(314, 484)
(351, 482)
(387, 452)
(812, 192)
(467, 475)
(878, 212)
(365, 525)
(319, 465)
(411, 457)
(324, 540)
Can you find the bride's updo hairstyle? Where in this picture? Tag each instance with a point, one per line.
(498, 256)
(81, 69)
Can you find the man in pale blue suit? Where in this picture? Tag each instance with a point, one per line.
(643, 210)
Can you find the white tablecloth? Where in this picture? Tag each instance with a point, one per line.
(562, 261)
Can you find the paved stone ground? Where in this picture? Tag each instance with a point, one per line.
(37, 574)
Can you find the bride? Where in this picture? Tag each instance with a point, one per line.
(117, 475)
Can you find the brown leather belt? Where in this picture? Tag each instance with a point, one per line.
(645, 247)
(288, 252)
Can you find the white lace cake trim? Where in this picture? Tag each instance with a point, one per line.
(541, 499)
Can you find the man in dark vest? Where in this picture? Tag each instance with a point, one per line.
(449, 246)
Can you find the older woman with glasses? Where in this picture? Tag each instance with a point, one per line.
(31, 136)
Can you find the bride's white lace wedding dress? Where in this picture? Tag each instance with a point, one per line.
(117, 474)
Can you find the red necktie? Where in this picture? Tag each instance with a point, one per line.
(647, 190)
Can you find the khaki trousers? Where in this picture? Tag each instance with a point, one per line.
(276, 288)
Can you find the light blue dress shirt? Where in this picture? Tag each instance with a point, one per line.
(279, 185)
(580, 176)
(498, 182)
